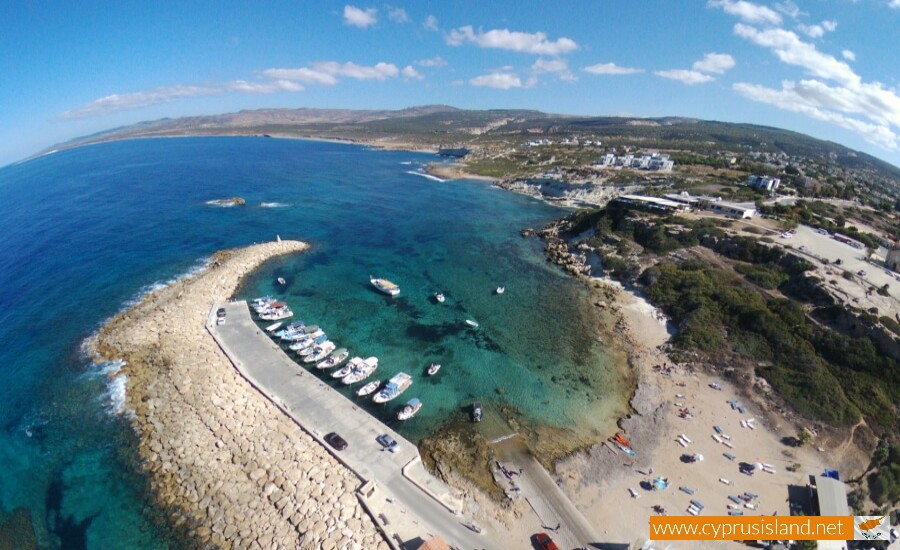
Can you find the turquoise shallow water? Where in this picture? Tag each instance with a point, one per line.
(83, 231)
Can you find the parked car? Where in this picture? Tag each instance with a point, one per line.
(544, 542)
(220, 312)
(387, 442)
(336, 441)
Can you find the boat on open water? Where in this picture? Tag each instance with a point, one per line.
(439, 296)
(433, 369)
(385, 286)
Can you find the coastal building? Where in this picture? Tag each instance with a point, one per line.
(652, 204)
(764, 183)
(743, 211)
(892, 261)
(654, 162)
(829, 496)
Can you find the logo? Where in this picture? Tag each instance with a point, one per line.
(871, 528)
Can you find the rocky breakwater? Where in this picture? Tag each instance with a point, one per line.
(230, 469)
(557, 249)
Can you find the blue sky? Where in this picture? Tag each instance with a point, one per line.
(828, 68)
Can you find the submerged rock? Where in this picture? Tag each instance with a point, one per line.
(233, 201)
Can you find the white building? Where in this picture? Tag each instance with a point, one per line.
(655, 162)
(764, 182)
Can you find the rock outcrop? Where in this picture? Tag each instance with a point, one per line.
(228, 466)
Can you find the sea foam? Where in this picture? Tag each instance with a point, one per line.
(424, 175)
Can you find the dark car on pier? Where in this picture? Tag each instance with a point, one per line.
(336, 441)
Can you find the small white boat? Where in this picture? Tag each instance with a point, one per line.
(385, 286)
(321, 352)
(439, 296)
(410, 409)
(433, 369)
(362, 372)
(274, 326)
(337, 357)
(501, 289)
(368, 388)
(281, 281)
(471, 323)
(398, 384)
(351, 365)
(309, 350)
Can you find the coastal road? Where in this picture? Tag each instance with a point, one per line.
(546, 499)
(416, 505)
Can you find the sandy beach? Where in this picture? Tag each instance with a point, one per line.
(671, 403)
(229, 468)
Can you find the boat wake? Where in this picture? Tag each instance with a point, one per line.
(220, 203)
(424, 175)
(273, 205)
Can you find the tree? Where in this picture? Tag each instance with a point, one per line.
(805, 437)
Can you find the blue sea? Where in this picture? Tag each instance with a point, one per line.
(85, 232)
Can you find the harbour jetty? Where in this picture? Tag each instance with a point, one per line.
(230, 469)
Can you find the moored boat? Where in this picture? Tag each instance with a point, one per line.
(348, 368)
(307, 342)
(368, 388)
(383, 285)
(410, 409)
(281, 281)
(276, 312)
(477, 411)
(433, 369)
(361, 372)
(337, 357)
(320, 352)
(398, 384)
(501, 289)
(274, 326)
(439, 296)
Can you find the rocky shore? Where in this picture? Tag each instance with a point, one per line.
(229, 468)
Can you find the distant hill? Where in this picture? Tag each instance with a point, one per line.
(434, 125)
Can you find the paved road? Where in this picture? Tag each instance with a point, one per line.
(320, 409)
(546, 499)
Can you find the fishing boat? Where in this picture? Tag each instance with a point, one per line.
(398, 384)
(383, 285)
(261, 302)
(337, 357)
(301, 334)
(308, 342)
(290, 329)
(410, 409)
(501, 289)
(320, 352)
(439, 296)
(274, 326)
(368, 388)
(361, 372)
(281, 281)
(351, 365)
(277, 312)
(471, 323)
(477, 411)
(433, 369)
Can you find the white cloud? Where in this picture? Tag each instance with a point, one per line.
(397, 15)
(894, 4)
(302, 74)
(788, 8)
(848, 54)
(747, 11)
(499, 80)
(264, 87)
(818, 31)
(431, 23)
(504, 39)
(788, 47)
(410, 72)
(789, 99)
(120, 102)
(714, 63)
(437, 61)
(559, 67)
(327, 73)
(358, 17)
(685, 76)
(610, 69)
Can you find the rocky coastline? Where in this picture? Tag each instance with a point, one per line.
(227, 466)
